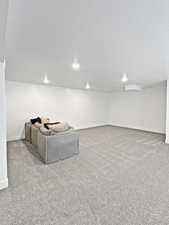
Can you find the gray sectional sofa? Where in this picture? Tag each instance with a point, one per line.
(54, 146)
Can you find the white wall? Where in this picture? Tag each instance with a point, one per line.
(80, 108)
(3, 21)
(167, 114)
(3, 158)
(144, 110)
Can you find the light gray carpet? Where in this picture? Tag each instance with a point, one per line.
(121, 177)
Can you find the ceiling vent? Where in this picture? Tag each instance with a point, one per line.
(132, 87)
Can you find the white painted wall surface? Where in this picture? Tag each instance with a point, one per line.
(80, 108)
(3, 157)
(167, 114)
(145, 110)
(3, 22)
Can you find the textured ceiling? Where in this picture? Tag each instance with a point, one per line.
(108, 37)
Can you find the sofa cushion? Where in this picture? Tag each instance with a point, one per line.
(70, 129)
(45, 131)
(38, 125)
(45, 120)
(59, 127)
(33, 121)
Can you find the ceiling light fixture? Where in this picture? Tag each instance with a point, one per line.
(46, 80)
(87, 85)
(76, 65)
(124, 78)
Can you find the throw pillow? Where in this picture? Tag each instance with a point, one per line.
(45, 120)
(46, 125)
(38, 119)
(37, 125)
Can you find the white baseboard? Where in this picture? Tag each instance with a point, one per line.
(139, 128)
(15, 138)
(3, 183)
(92, 126)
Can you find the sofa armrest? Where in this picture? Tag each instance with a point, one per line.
(57, 147)
(28, 132)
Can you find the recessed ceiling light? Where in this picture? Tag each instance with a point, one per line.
(75, 65)
(124, 78)
(46, 80)
(87, 85)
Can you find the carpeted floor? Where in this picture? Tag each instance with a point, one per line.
(121, 177)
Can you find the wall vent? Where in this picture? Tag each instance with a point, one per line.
(132, 87)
